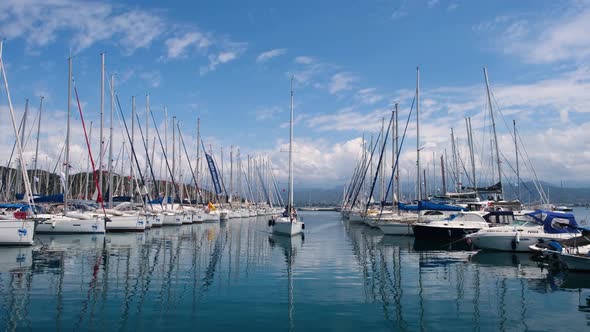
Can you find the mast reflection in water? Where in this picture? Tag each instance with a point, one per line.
(236, 275)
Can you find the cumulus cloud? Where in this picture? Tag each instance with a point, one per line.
(545, 37)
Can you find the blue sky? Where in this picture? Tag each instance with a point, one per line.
(229, 62)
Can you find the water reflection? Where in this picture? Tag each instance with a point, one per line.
(419, 284)
(236, 275)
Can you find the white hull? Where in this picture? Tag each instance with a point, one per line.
(131, 223)
(157, 220)
(396, 228)
(186, 218)
(284, 226)
(512, 240)
(16, 232)
(575, 262)
(171, 219)
(212, 217)
(62, 225)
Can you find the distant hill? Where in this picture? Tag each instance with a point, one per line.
(557, 195)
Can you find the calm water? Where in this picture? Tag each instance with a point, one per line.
(237, 276)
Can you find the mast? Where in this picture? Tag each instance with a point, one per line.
(456, 166)
(470, 143)
(88, 165)
(198, 167)
(442, 172)
(166, 148)
(485, 74)
(36, 172)
(382, 170)
(397, 156)
(22, 139)
(419, 182)
(67, 156)
(110, 167)
(132, 174)
(19, 146)
(517, 169)
(291, 152)
(147, 143)
(101, 150)
(173, 157)
(231, 171)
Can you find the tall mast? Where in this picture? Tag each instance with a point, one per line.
(19, 146)
(67, 156)
(172, 193)
(382, 169)
(291, 151)
(485, 74)
(36, 172)
(198, 151)
(455, 165)
(165, 149)
(419, 183)
(231, 171)
(101, 150)
(470, 143)
(131, 148)
(396, 155)
(517, 169)
(88, 165)
(110, 167)
(147, 143)
(22, 139)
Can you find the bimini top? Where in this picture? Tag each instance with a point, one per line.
(555, 222)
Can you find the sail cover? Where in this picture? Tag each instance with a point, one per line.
(555, 222)
(496, 188)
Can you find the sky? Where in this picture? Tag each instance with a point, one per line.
(229, 63)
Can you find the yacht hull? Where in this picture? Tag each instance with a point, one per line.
(286, 227)
(66, 225)
(16, 232)
(126, 224)
(397, 228)
(441, 233)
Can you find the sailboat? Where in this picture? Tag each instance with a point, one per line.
(289, 223)
(18, 229)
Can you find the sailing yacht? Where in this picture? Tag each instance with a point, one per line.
(289, 223)
(17, 229)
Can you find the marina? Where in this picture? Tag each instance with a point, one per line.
(309, 166)
(238, 275)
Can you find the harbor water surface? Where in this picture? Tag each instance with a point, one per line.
(237, 276)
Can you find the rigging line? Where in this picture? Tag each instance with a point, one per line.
(528, 163)
(147, 194)
(89, 151)
(399, 150)
(166, 160)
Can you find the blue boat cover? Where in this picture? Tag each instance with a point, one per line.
(429, 205)
(555, 222)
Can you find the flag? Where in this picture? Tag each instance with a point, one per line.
(211, 207)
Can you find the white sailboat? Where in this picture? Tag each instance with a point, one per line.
(18, 230)
(289, 223)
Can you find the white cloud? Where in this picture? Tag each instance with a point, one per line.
(433, 3)
(452, 6)
(39, 23)
(267, 113)
(265, 56)
(229, 51)
(305, 60)
(152, 78)
(177, 46)
(368, 96)
(546, 37)
(341, 82)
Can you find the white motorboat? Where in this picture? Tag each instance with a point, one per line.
(539, 226)
(453, 227)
